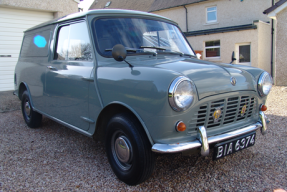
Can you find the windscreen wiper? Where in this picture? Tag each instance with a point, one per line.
(153, 47)
(176, 53)
(128, 50)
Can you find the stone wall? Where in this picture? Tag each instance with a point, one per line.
(281, 48)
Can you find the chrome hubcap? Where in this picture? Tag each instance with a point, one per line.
(122, 149)
(27, 108)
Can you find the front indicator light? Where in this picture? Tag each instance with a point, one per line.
(180, 126)
(263, 108)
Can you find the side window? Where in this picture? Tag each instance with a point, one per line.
(212, 49)
(73, 43)
(62, 43)
(79, 43)
(211, 14)
(36, 44)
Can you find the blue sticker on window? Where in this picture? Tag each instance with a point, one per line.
(40, 41)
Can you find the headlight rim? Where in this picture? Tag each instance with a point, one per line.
(260, 83)
(175, 83)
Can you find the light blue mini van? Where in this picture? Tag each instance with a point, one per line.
(131, 80)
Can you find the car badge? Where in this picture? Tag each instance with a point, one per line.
(243, 110)
(216, 114)
(233, 81)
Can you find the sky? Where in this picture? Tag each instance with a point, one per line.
(85, 4)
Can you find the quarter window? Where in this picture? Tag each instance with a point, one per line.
(73, 43)
(211, 14)
(212, 49)
(36, 44)
(63, 43)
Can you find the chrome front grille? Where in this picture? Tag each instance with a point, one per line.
(231, 109)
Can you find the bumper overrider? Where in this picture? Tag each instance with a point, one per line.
(203, 141)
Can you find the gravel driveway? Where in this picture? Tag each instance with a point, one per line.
(57, 158)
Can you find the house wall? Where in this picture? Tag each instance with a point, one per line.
(260, 40)
(264, 46)
(229, 13)
(228, 41)
(58, 7)
(281, 48)
(176, 14)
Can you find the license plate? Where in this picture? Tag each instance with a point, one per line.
(233, 145)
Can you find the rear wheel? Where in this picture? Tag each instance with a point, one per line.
(128, 150)
(32, 118)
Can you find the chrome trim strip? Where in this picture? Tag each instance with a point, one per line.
(87, 120)
(260, 83)
(171, 90)
(66, 124)
(236, 133)
(174, 148)
(52, 68)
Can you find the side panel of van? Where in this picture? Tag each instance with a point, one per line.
(31, 66)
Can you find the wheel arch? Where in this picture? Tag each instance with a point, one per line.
(111, 110)
(24, 87)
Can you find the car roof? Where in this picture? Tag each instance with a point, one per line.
(100, 12)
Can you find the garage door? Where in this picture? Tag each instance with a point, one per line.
(12, 24)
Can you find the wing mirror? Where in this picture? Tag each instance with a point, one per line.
(119, 52)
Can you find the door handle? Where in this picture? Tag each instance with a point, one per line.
(87, 79)
(52, 68)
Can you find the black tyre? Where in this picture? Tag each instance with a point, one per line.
(128, 150)
(32, 118)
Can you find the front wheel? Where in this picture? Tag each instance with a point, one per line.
(32, 118)
(128, 150)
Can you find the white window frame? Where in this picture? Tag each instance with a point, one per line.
(211, 21)
(218, 57)
(237, 54)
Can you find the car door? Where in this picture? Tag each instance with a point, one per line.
(68, 76)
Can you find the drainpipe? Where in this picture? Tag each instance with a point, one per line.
(186, 18)
(272, 42)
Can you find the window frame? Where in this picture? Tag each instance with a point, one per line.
(56, 35)
(210, 47)
(211, 21)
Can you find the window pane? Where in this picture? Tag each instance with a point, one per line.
(36, 45)
(79, 45)
(211, 16)
(134, 33)
(214, 52)
(211, 9)
(244, 53)
(212, 43)
(62, 45)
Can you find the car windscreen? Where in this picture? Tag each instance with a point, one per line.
(139, 36)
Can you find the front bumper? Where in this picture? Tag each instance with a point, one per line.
(203, 141)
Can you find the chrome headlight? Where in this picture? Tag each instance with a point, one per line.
(181, 93)
(264, 84)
